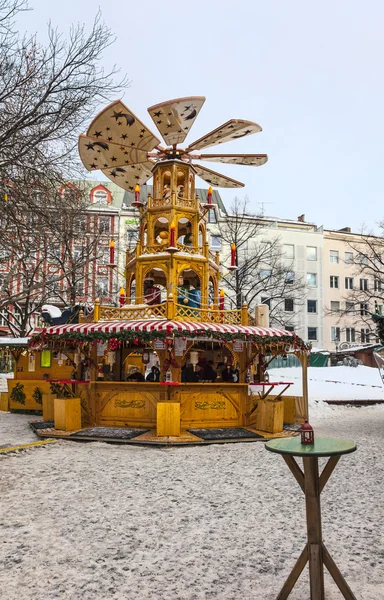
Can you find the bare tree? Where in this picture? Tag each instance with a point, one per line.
(47, 94)
(263, 273)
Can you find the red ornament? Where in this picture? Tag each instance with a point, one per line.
(307, 434)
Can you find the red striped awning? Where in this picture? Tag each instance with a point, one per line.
(163, 325)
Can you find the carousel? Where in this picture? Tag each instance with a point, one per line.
(172, 360)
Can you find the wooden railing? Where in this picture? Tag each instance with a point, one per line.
(167, 310)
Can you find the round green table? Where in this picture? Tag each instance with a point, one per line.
(312, 483)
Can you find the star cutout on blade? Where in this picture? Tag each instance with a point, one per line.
(97, 133)
(108, 128)
(169, 125)
(141, 135)
(110, 139)
(158, 122)
(93, 166)
(132, 143)
(158, 113)
(89, 146)
(105, 165)
(124, 136)
(142, 130)
(113, 159)
(119, 122)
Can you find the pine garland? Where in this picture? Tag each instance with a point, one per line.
(73, 340)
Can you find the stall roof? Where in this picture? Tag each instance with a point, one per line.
(164, 325)
(8, 342)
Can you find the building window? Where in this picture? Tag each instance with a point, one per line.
(290, 277)
(215, 242)
(348, 283)
(311, 279)
(350, 307)
(350, 334)
(266, 301)
(80, 288)
(312, 306)
(335, 334)
(378, 286)
(312, 333)
(104, 256)
(104, 224)
(289, 328)
(102, 286)
(363, 309)
(362, 260)
(335, 306)
(212, 216)
(334, 281)
(348, 258)
(364, 284)
(289, 251)
(334, 256)
(264, 273)
(364, 336)
(288, 305)
(311, 253)
(100, 197)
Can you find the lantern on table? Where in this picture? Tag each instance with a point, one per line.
(307, 434)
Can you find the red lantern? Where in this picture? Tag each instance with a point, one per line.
(112, 252)
(233, 255)
(209, 195)
(145, 357)
(172, 238)
(307, 434)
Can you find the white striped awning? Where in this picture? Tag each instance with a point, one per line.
(163, 325)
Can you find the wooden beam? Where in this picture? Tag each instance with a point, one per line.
(295, 470)
(327, 471)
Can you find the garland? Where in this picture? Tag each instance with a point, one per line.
(75, 339)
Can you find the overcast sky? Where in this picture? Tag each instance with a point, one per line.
(311, 74)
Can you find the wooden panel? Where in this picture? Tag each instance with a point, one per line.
(4, 401)
(289, 409)
(48, 407)
(67, 414)
(127, 404)
(55, 371)
(168, 418)
(211, 405)
(27, 394)
(270, 415)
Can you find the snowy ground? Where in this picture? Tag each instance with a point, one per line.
(226, 522)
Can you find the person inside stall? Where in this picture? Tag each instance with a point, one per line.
(209, 374)
(135, 376)
(229, 374)
(152, 294)
(188, 375)
(154, 374)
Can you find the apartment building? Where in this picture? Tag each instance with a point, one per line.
(346, 316)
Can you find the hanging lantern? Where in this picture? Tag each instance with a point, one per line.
(194, 358)
(137, 202)
(146, 357)
(112, 252)
(307, 434)
(122, 296)
(111, 357)
(221, 300)
(172, 240)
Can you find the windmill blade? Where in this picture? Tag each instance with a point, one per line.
(231, 130)
(129, 176)
(253, 160)
(175, 118)
(116, 123)
(96, 153)
(216, 179)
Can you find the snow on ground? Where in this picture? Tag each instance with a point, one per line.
(225, 522)
(334, 383)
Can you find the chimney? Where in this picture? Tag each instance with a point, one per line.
(301, 218)
(345, 230)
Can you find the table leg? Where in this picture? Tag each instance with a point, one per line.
(337, 576)
(315, 550)
(294, 575)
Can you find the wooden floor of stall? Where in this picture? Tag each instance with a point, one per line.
(149, 438)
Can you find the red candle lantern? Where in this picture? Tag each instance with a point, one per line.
(172, 239)
(221, 302)
(122, 297)
(137, 203)
(112, 252)
(209, 195)
(307, 434)
(233, 255)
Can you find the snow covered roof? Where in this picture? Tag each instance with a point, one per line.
(13, 342)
